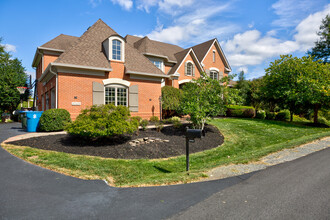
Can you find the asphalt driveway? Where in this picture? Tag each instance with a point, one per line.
(31, 192)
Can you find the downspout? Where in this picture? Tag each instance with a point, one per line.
(56, 82)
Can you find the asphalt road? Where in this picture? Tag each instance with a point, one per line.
(31, 192)
(299, 189)
(294, 190)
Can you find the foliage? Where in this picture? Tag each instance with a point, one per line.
(201, 100)
(321, 50)
(323, 120)
(54, 120)
(255, 93)
(171, 98)
(233, 96)
(243, 87)
(240, 111)
(270, 115)
(283, 115)
(175, 121)
(12, 75)
(159, 126)
(261, 114)
(137, 118)
(244, 140)
(103, 121)
(296, 82)
(144, 123)
(238, 107)
(297, 118)
(154, 119)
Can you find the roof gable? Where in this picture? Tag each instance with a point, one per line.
(181, 56)
(88, 49)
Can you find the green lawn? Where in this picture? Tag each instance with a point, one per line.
(245, 140)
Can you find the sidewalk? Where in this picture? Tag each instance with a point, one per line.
(269, 160)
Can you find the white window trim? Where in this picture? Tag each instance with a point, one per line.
(189, 61)
(116, 86)
(213, 56)
(159, 60)
(184, 81)
(122, 48)
(116, 81)
(213, 68)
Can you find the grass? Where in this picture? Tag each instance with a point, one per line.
(245, 140)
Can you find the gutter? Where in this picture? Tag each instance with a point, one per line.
(56, 85)
(147, 74)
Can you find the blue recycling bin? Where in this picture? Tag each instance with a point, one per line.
(32, 122)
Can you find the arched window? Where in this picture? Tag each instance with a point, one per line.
(116, 50)
(189, 69)
(116, 95)
(214, 74)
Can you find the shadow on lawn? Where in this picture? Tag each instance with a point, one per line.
(162, 169)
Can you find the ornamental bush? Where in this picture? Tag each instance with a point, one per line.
(270, 115)
(103, 121)
(54, 120)
(154, 119)
(144, 123)
(261, 115)
(240, 111)
(283, 115)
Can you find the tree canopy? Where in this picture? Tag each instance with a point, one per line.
(295, 82)
(201, 100)
(12, 75)
(321, 50)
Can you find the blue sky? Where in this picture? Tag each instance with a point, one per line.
(252, 33)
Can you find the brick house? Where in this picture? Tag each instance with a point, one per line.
(103, 67)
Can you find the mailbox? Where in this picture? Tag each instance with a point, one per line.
(193, 133)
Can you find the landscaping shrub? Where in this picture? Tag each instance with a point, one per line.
(144, 123)
(270, 115)
(137, 118)
(103, 121)
(297, 118)
(322, 120)
(171, 98)
(176, 121)
(154, 119)
(159, 126)
(261, 115)
(283, 115)
(54, 120)
(240, 111)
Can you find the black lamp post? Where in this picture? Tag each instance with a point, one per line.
(160, 107)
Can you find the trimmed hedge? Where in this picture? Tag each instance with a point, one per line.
(261, 115)
(283, 115)
(270, 115)
(54, 120)
(240, 111)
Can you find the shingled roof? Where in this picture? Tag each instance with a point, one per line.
(88, 49)
(201, 49)
(61, 42)
(148, 46)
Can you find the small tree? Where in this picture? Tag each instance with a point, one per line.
(12, 75)
(255, 94)
(202, 99)
(171, 98)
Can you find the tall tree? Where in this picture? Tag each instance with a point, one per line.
(255, 94)
(243, 87)
(321, 50)
(295, 82)
(12, 75)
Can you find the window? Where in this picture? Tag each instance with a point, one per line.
(157, 62)
(190, 67)
(116, 50)
(214, 75)
(116, 95)
(213, 56)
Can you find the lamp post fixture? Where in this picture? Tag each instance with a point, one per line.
(160, 107)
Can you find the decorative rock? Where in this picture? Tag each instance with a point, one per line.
(140, 139)
(166, 141)
(132, 144)
(145, 139)
(151, 140)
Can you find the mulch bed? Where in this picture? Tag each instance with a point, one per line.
(119, 147)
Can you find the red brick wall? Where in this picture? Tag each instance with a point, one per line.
(181, 70)
(219, 63)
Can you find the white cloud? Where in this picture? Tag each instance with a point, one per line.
(126, 4)
(95, 3)
(290, 12)
(307, 29)
(9, 48)
(252, 48)
(146, 4)
(170, 6)
(194, 27)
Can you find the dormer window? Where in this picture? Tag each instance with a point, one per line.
(157, 62)
(114, 48)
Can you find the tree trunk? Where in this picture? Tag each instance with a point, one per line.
(316, 111)
(291, 116)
